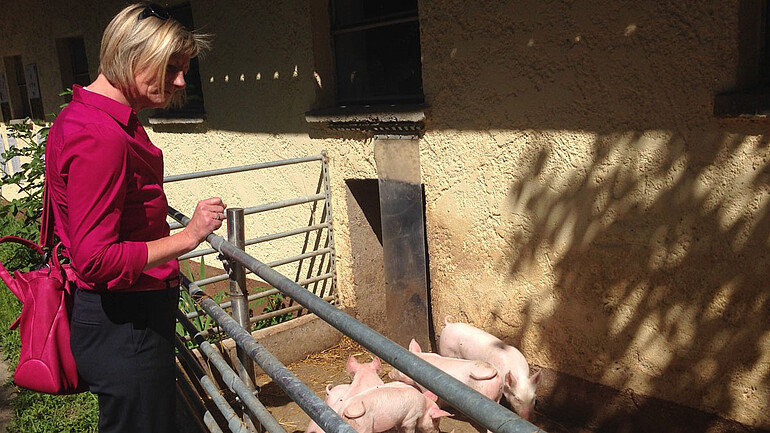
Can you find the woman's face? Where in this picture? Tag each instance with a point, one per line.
(147, 90)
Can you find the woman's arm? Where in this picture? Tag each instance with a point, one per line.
(203, 222)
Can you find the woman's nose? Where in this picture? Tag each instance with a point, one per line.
(179, 80)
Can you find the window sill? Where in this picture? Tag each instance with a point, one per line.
(398, 119)
(175, 120)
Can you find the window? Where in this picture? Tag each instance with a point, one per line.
(73, 63)
(376, 46)
(751, 94)
(5, 106)
(193, 106)
(17, 88)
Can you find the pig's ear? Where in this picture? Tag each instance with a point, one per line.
(535, 378)
(435, 412)
(328, 388)
(414, 346)
(352, 364)
(510, 380)
(431, 396)
(355, 410)
(376, 363)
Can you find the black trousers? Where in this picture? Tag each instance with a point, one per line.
(123, 347)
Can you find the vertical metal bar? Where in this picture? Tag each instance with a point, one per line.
(330, 221)
(239, 301)
(311, 221)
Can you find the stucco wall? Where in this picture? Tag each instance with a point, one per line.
(582, 202)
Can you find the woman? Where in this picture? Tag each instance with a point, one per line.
(106, 181)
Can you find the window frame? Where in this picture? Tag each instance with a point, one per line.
(750, 97)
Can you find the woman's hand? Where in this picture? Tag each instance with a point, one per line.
(208, 216)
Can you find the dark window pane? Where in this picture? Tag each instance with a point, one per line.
(193, 91)
(764, 47)
(183, 14)
(193, 88)
(78, 56)
(353, 12)
(22, 83)
(379, 65)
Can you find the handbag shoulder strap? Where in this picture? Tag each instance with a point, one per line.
(46, 223)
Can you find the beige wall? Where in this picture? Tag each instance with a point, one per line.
(583, 203)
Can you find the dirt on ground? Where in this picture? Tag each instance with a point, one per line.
(328, 367)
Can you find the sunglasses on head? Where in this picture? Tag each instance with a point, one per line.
(155, 10)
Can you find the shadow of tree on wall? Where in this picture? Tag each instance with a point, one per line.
(661, 263)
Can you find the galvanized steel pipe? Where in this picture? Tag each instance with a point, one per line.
(233, 421)
(230, 378)
(316, 408)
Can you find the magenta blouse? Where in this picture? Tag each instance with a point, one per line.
(106, 182)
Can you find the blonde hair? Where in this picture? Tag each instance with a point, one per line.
(131, 45)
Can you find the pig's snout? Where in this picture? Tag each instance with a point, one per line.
(525, 413)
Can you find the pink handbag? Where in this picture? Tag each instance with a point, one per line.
(45, 361)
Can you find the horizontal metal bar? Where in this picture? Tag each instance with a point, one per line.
(206, 333)
(226, 305)
(284, 203)
(242, 168)
(470, 402)
(283, 311)
(231, 378)
(271, 206)
(233, 421)
(222, 277)
(254, 241)
(315, 279)
(299, 257)
(214, 279)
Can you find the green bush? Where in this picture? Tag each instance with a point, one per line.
(33, 412)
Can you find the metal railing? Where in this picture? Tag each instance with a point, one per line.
(471, 403)
(314, 262)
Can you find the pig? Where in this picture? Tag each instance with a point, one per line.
(334, 399)
(461, 340)
(365, 376)
(479, 375)
(393, 405)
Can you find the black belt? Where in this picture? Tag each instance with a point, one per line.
(174, 282)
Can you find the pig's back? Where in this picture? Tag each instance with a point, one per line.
(461, 340)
